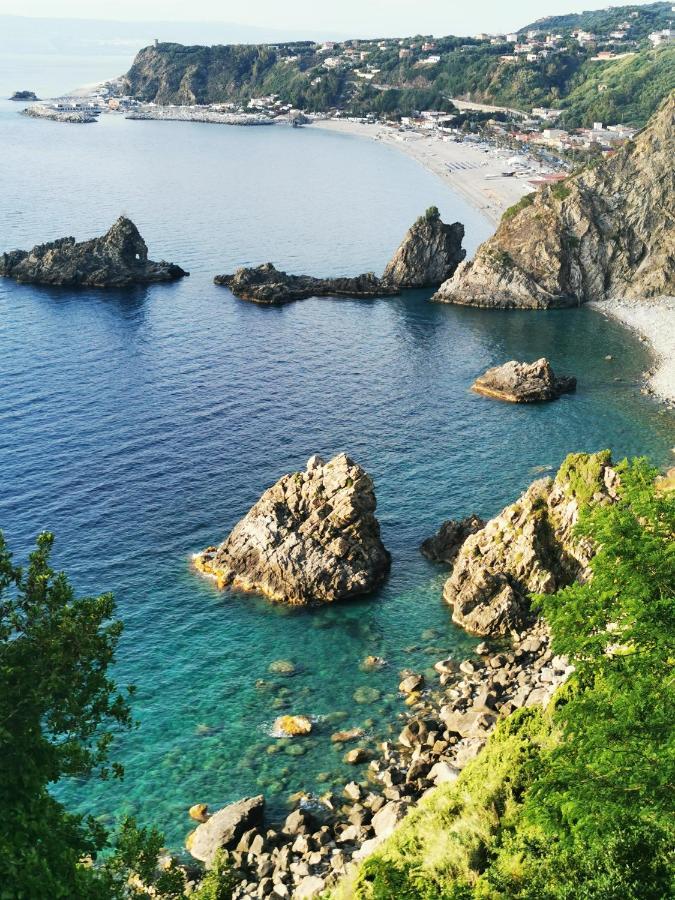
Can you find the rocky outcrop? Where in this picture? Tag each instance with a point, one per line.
(444, 546)
(518, 382)
(117, 259)
(528, 548)
(24, 97)
(267, 285)
(311, 538)
(605, 232)
(429, 254)
(224, 828)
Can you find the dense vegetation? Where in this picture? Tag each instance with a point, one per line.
(651, 16)
(626, 90)
(575, 801)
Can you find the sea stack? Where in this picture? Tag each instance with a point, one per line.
(312, 538)
(603, 233)
(428, 255)
(118, 259)
(518, 382)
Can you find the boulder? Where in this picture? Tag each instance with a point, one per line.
(291, 726)
(311, 538)
(385, 821)
(199, 812)
(225, 827)
(443, 773)
(428, 255)
(444, 546)
(310, 886)
(411, 684)
(518, 382)
(118, 259)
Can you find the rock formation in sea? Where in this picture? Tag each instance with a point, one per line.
(117, 259)
(267, 285)
(528, 548)
(24, 96)
(428, 255)
(444, 546)
(604, 232)
(311, 538)
(518, 382)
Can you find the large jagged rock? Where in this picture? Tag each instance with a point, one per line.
(444, 546)
(117, 259)
(429, 254)
(267, 285)
(606, 232)
(224, 828)
(518, 382)
(311, 538)
(528, 548)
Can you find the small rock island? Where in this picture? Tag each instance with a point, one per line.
(428, 255)
(24, 97)
(518, 382)
(117, 259)
(311, 538)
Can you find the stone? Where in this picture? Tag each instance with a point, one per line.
(371, 663)
(199, 812)
(444, 546)
(518, 382)
(225, 827)
(356, 756)
(311, 538)
(353, 791)
(470, 724)
(343, 737)
(366, 694)
(385, 821)
(443, 773)
(428, 255)
(269, 286)
(283, 667)
(291, 726)
(411, 684)
(599, 234)
(300, 821)
(118, 259)
(529, 548)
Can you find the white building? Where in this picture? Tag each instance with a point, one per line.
(665, 36)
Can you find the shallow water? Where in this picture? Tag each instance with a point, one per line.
(139, 426)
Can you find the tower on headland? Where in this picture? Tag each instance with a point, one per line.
(156, 42)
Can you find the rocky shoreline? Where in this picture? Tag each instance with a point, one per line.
(528, 547)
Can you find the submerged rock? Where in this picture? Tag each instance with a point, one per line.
(601, 233)
(429, 254)
(117, 259)
(528, 548)
(267, 285)
(518, 382)
(444, 546)
(225, 827)
(311, 538)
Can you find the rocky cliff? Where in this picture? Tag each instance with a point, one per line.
(311, 538)
(117, 259)
(528, 548)
(428, 255)
(268, 286)
(605, 232)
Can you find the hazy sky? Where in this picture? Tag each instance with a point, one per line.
(357, 17)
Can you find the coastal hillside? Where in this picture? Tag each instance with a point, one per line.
(605, 232)
(616, 73)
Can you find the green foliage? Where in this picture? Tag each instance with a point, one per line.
(581, 474)
(523, 203)
(502, 257)
(574, 803)
(560, 191)
(219, 882)
(432, 214)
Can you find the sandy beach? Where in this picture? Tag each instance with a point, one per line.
(653, 319)
(463, 166)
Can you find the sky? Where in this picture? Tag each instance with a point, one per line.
(352, 17)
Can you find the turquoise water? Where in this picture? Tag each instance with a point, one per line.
(141, 425)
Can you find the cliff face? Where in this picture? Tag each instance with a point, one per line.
(312, 537)
(117, 259)
(428, 255)
(606, 232)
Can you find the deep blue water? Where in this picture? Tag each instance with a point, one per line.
(139, 426)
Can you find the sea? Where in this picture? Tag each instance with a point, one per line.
(140, 425)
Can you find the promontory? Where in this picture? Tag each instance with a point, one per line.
(311, 538)
(117, 259)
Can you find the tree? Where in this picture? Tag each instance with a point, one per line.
(57, 708)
